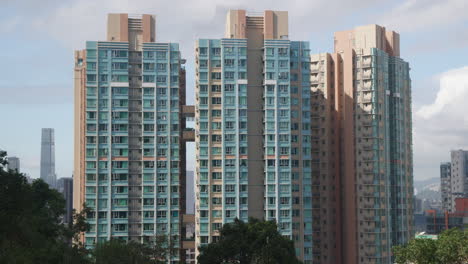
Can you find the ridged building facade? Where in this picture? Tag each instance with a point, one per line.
(129, 139)
(253, 129)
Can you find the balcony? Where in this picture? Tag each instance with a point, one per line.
(368, 135)
(368, 157)
(188, 111)
(315, 68)
(316, 79)
(367, 123)
(367, 85)
(367, 74)
(188, 135)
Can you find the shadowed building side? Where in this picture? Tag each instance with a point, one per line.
(370, 104)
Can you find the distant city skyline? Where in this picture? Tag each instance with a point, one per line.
(431, 41)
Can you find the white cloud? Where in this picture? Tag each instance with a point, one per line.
(74, 22)
(451, 96)
(442, 125)
(425, 14)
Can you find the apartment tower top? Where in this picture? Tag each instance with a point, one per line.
(369, 36)
(134, 29)
(273, 23)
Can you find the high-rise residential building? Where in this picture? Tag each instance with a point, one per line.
(253, 129)
(65, 186)
(14, 164)
(362, 148)
(48, 157)
(458, 176)
(130, 134)
(445, 186)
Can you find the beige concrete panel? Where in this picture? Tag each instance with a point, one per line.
(275, 24)
(241, 24)
(392, 43)
(235, 24)
(117, 27)
(149, 28)
(268, 25)
(281, 26)
(123, 27)
(79, 131)
(343, 40)
(368, 36)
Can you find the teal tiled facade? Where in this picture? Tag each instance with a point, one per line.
(222, 112)
(133, 142)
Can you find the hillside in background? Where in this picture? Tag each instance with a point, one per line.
(428, 184)
(428, 189)
(428, 194)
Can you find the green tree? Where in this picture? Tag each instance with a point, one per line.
(3, 161)
(116, 251)
(451, 247)
(245, 243)
(31, 230)
(157, 250)
(161, 248)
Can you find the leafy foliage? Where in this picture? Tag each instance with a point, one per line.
(31, 230)
(119, 252)
(161, 248)
(450, 248)
(3, 160)
(157, 251)
(253, 242)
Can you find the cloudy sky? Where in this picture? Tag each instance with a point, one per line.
(38, 39)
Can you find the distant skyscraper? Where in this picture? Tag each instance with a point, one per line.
(362, 142)
(48, 157)
(253, 129)
(459, 176)
(445, 186)
(14, 163)
(65, 186)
